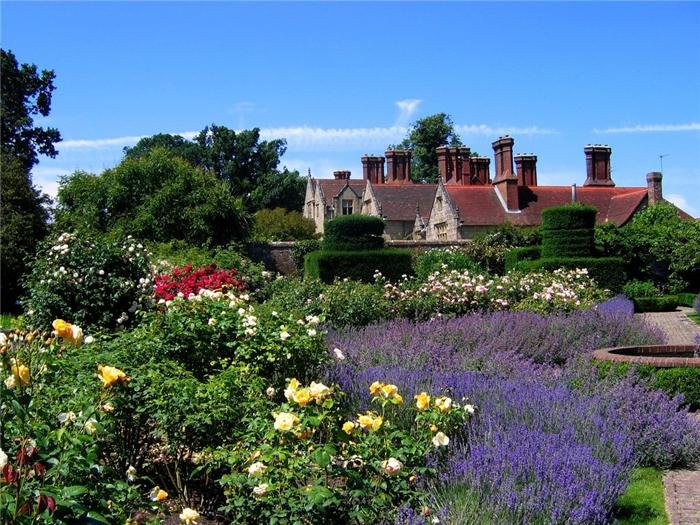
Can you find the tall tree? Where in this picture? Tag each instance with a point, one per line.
(175, 144)
(285, 189)
(25, 93)
(424, 136)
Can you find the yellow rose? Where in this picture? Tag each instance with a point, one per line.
(302, 396)
(377, 423)
(422, 401)
(388, 390)
(63, 328)
(443, 404)
(21, 373)
(397, 399)
(348, 427)
(292, 387)
(111, 375)
(284, 421)
(319, 391)
(158, 494)
(375, 387)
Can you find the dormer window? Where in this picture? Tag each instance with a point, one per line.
(347, 207)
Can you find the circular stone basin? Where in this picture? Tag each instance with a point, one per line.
(665, 356)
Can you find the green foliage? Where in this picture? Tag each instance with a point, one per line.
(608, 272)
(686, 299)
(424, 137)
(660, 303)
(442, 259)
(285, 189)
(24, 94)
(95, 283)
(292, 294)
(684, 381)
(526, 253)
(567, 243)
(282, 225)
(657, 245)
(640, 289)
(22, 226)
(569, 217)
(351, 303)
(489, 249)
(175, 144)
(360, 266)
(353, 232)
(156, 197)
(300, 249)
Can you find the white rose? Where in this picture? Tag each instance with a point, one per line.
(260, 490)
(339, 354)
(392, 466)
(256, 469)
(440, 440)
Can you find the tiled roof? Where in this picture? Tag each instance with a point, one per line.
(399, 201)
(480, 206)
(332, 187)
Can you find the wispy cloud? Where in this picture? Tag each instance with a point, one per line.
(325, 139)
(652, 128)
(407, 108)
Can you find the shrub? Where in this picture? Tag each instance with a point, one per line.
(607, 271)
(686, 299)
(353, 232)
(187, 281)
(567, 243)
(684, 381)
(292, 294)
(526, 253)
(350, 303)
(360, 266)
(282, 225)
(441, 259)
(661, 303)
(640, 289)
(300, 249)
(568, 217)
(96, 283)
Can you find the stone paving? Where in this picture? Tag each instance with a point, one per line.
(681, 487)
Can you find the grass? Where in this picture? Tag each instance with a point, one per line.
(643, 502)
(695, 317)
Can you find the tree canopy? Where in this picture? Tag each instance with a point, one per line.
(25, 93)
(423, 138)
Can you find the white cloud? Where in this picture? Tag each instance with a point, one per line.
(407, 108)
(682, 203)
(489, 131)
(652, 128)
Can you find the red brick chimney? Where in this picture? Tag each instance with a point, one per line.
(454, 165)
(506, 183)
(526, 168)
(598, 165)
(341, 175)
(398, 166)
(503, 152)
(480, 170)
(373, 169)
(654, 194)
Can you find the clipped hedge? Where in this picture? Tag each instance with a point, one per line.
(686, 299)
(607, 271)
(567, 243)
(568, 217)
(660, 303)
(357, 265)
(353, 232)
(526, 253)
(684, 381)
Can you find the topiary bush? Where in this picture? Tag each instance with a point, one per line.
(96, 283)
(567, 231)
(526, 253)
(353, 232)
(660, 303)
(357, 265)
(568, 217)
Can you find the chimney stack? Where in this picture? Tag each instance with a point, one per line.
(526, 168)
(503, 152)
(480, 170)
(454, 165)
(654, 194)
(398, 166)
(341, 175)
(373, 169)
(598, 165)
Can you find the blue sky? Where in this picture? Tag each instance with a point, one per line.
(338, 80)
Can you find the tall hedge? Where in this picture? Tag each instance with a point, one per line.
(358, 265)
(567, 231)
(353, 232)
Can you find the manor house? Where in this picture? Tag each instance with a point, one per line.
(466, 200)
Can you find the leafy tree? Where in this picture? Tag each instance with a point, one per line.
(157, 197)
(25, 93)
(282, 225)
(22, 226)
(175, 144)
(425, 135)
(284, 189)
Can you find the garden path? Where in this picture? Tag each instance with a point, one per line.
(681, 487)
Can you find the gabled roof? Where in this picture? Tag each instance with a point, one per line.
(398, 201)
(480, 206)
(331, 188)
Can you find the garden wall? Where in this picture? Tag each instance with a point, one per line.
(276, 255)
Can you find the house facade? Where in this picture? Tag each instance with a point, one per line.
(466, 200)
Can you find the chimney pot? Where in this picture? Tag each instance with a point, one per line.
(654, 193)
(598, 165)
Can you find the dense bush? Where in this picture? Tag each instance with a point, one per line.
(660, 303)
(282, 225)
(441, 259)
(96, 283)
(526, 253)
(567, 231)
(568, 217)
(684, 381)
(299, 251)
(640, 289)
(657, 245)
(187, 281)
(360, 266)
(686, 299)
(353, 232)
(489, 249)
(607, 271)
